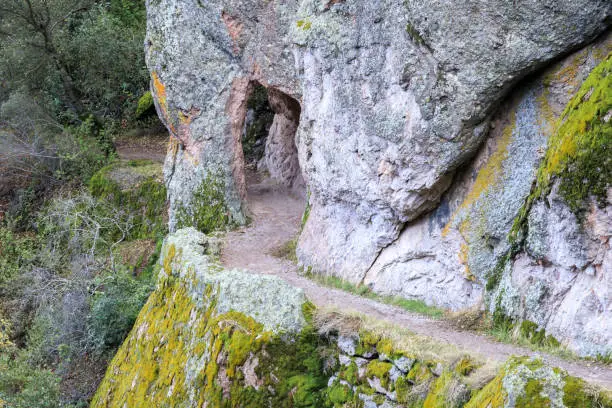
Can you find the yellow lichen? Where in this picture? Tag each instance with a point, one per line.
(492, 395)
(489, 175)
(168, 258)
(463, 259)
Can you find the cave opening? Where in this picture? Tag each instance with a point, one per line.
(268, 139)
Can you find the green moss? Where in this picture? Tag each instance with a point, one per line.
(498, 272)
(379, 369)
(419, 373)
(304, 24)
(156, 363)
(532, 397)
(207, 210)
(350, 374)
(145, 104)
(579, 152)
(308, 310)
(438, 396)
(339, 394)
(492, 395)
(402, 390)
(574, 394)
(143, 199)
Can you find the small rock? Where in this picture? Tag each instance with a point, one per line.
(404, 364)
(344, 359)
(347, 345)
(331, 380)
(395, 373)
(438, 369)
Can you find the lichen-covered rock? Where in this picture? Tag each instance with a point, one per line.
(217, 338)
(559, 276)
(205, 334)
(136, 186)
(470, 245)
(524, 382)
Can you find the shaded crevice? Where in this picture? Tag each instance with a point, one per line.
(268, 136)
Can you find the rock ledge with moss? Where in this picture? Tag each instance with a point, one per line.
(210, 337)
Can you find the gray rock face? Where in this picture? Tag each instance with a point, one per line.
(281, 157)
(394, 97)
(192, 257)
(560, 280)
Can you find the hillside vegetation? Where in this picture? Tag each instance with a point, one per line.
(80, 230)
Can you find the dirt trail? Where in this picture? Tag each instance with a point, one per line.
(276, 217)
(143, 147)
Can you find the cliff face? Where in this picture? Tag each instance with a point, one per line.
(418, 157)
(211, 337)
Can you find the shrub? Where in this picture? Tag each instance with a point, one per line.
(115, 306)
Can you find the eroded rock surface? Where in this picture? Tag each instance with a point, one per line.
(395, 97)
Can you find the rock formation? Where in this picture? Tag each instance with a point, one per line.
(210, 337)
(422, 129)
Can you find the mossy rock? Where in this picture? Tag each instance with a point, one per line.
(212, 337)
(137, 188)
(145, 105)
(208, 210)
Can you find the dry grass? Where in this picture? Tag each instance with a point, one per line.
(473, 319)
(286, 251)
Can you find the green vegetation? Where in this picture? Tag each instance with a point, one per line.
(232, 339)
(145, 104)
(72, 72)
(145, 201)
(207, 210)
(579, 152)
(72, 286)
(524, 333)
(410, 305)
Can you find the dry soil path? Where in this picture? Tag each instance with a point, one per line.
(145, 147)
(276, 215)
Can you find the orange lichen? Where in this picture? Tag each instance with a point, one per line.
(160, 91)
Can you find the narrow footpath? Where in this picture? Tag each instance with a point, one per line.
(276, 216)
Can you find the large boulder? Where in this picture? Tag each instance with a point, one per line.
(396, 98)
